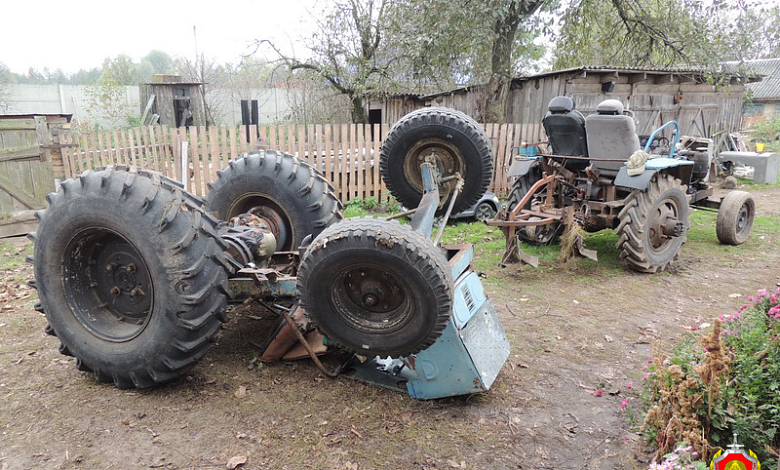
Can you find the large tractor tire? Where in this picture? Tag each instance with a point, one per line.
(458, 145)
(284, 189)
(653, 225)
(131, 276)
(534, 235)
(376, 287)
(735, 218)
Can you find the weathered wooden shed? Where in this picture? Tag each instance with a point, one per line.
(171, 102)
(30, 160)
(655, 96)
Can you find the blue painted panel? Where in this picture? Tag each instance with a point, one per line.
(469, 297)
(461, 263)
(445, 369)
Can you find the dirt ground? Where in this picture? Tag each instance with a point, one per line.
(573, 332)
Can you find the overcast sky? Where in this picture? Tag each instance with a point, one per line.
(79, 34)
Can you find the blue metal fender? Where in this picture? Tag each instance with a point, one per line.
(679, 168)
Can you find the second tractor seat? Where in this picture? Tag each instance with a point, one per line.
(611, 134)
(565, 128)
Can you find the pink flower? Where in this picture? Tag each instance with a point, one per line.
(598, 393)
(631, 384)
(649, 360)
(774, 310)
(773, 299)
(645, 376)
(624, 404)
(761, 293)
(750, 298)
(667, 362)
(694, 328)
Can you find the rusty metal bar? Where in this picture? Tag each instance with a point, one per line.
(301, 339)
(528, 195)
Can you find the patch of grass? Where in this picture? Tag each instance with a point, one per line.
(361, 207)
(703, 240)
(11, 257)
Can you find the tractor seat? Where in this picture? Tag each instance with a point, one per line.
(611, 134)
(565, 128)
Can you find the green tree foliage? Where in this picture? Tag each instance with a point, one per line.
(6, 78)
(106, 99)
(662, 33)
(475, 41)
(121, 70)
(159, 61)
(352, 50)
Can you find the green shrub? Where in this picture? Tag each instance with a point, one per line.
(767, 132)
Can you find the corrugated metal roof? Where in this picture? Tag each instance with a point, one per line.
(769, 87)
(699, 72)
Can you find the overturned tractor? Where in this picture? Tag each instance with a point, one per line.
(598, 176)
(135, 274)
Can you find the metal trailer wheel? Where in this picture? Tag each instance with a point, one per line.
(292, 198)
(131, 276)
(653, 224)
(539, 234)
(456, 142)
(376, 287)
(735, 218)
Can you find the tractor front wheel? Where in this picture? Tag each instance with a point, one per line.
(376, 287)
(735, 218)
(131, 276)
(653, 225)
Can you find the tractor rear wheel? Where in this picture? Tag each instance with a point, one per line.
(540, 234)
(131, 276)
(376, 287)
(457, 144)
(294, 199)
(735, 218)
(653, 225)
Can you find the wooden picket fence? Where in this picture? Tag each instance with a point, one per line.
(346, 154)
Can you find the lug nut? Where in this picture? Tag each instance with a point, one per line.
(132, 267)
(110, 267)
(115, 291)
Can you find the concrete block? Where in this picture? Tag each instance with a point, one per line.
(766, 164)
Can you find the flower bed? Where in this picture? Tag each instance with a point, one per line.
(714, 385)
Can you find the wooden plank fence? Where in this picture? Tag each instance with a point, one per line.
(346, 154)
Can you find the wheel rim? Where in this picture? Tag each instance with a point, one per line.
(108, 284)
(449, 160)
(743, 218)
(268, 214)
(484, 212)
(665, 218)
(371, 298)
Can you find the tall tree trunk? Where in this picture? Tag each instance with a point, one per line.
(505, 33)
(358, 114)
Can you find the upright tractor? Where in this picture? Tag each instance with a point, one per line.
(598, 176)
(135, 274)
